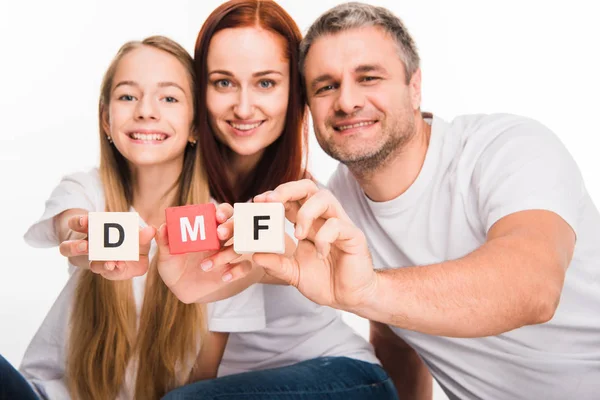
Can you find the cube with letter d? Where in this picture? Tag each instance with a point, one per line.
(258, 228)
(192, 228)
(113, 236)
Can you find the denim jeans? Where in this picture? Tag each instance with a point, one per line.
(12, 383)
(332, 378)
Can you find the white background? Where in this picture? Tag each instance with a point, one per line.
(535, 58)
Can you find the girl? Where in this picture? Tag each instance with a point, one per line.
(132, 338)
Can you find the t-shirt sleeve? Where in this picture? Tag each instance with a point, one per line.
(244, 312)
(526, 167)
(44, 361)
(79, 190)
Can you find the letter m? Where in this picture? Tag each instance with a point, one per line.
(186, 228)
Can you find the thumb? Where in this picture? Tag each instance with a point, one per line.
(162, 239)
(280, 267)
(146, 235)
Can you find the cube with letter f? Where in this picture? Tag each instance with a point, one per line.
(258, 228)
(192, 228)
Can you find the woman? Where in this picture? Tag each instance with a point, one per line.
(253, 137)
(132, 338)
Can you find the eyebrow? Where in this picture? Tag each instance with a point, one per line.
(369, 68)
(361, 69)
(160, 84)
(255, 75)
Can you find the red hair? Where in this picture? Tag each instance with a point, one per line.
(284, 159)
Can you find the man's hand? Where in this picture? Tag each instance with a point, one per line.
(332, 265)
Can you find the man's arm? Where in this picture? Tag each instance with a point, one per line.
(514, 279)
(402, 363)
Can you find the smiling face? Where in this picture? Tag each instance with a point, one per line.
(362, 107)
(248, 88)
(150, 112)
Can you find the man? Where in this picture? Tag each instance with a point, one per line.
(474, 240)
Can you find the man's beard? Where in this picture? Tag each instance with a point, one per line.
(368, 161)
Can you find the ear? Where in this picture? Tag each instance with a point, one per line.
(104, 120)
(415, 89)
(193, 138)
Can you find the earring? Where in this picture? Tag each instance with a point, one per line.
(192, 143)
(109, 139)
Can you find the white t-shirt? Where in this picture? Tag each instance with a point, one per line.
(43, 364)
(296, 328)
(478, 169)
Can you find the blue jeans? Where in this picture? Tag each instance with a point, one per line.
(332, 378)
(13, 385)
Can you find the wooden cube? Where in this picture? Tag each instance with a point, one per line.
(192, 228)
(114, 236)
(258, 228)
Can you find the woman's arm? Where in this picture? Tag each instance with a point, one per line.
(209, 357)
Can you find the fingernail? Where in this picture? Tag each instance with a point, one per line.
(81, 246)
(220, 215)
(80, 221)
(222, 231)
(206, 265)
(298, 231)
(109, 266)
(227, 277)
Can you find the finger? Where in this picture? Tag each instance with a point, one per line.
(162, 240)
(322, 205)
(279, 266)
(291, 194)
(293, 191)
(291, 207)
(225, 231)
(146, 235)
(78, 223)
(99, 267)
(131, 269)
(339, 233)
(237, 271)
(222, 257)
(73, 248)
(224, 212)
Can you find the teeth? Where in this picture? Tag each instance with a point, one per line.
(148, 136)
(358, 125)
(245, 127)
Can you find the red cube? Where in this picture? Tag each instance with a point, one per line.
(192, 228)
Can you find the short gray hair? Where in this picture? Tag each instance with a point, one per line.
(354, 15)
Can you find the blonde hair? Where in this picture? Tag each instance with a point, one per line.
(104, 337)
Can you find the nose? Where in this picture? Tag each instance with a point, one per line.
(349, 100)
(244, 108)
(147, 109)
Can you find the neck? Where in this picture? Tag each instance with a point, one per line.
(241, 166)
(401, 169)
(154, 189)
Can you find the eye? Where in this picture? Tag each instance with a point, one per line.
(170, 99)
(370, 78)
(223, 83)
(127, 97)
(266, 84)
(325, 89)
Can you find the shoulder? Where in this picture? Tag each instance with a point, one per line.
(342, 183)
(482, 129)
